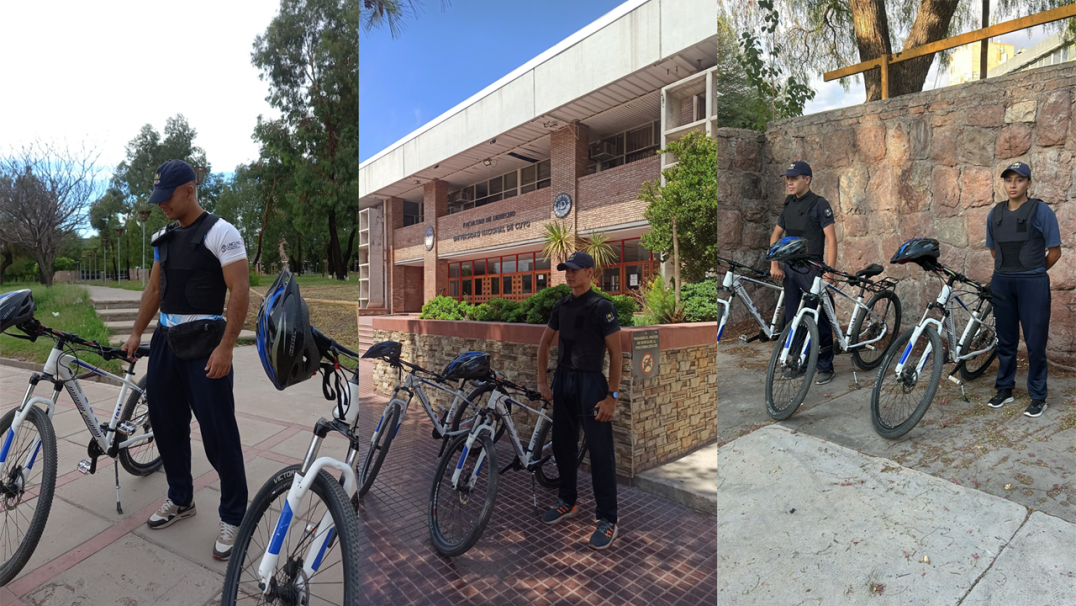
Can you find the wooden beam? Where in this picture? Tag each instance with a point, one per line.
(1057, 14)
(885, 77)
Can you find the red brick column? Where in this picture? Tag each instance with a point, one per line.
(569, 157)
(394, 273)
(435, 273)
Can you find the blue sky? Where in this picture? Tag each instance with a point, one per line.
(445, 57)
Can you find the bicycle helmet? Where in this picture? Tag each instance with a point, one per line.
(789, 248)
(285, 340)
(924, 251)
(385, 350)
(470, 365)
(16, 307)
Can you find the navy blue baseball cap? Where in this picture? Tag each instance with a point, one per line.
(577, 260)
(169, 176)
(1019, 168)
(798, 168)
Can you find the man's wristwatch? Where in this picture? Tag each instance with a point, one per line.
(615, 394)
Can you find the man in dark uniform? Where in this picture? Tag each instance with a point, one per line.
(587, 325)
(196, 261)
(1024, 238)
(807, 215)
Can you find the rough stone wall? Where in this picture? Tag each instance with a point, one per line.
(926, 165)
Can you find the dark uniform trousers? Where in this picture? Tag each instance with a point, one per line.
(797, 281)
(1026, 305)
(175, 388)
(575, 395)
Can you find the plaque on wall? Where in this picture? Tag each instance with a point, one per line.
(645, 354)
(562, 205)
(429, 237)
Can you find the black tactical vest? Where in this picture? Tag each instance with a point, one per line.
(192, 280)
(798, 223)
(581, 345)
(1017, 246)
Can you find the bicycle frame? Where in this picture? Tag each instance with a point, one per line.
(843, 338)
(412, 386)
(946, 328)
(733, 284)
(496, 404)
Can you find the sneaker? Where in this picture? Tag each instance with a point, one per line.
(790, 374)
(169, 514)
(222, 550)
(560, 511)
(603, 536)
(1004, 397)
(825, 377)
(1035, 409)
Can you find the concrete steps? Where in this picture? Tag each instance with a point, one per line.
(119, 315)
(366, 337)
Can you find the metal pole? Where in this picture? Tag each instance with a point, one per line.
(143, 254)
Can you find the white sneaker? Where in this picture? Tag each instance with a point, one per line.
(222, 550)
(169, 514)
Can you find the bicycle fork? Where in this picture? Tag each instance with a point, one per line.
(16, 423)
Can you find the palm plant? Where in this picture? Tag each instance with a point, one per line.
(597, 246)
(560, 241)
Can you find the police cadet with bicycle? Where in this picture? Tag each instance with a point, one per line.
(1023, 236)
(196, 261)
(587, 325)
(806, 215)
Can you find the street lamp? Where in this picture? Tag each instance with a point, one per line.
(119, 276)
(143, 215)
(104, 258)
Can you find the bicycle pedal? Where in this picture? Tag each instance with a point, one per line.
(84, 467)
(954, 379)
(126, 428)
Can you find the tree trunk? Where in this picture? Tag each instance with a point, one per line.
(931, 24)
(265, 222)
(872, 36)
(676, 260)
(350, 250)
(334, 248)
(5, 261)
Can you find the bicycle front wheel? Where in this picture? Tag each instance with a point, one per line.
(886, 305)
(26, 488)
(141, 458)
(899, 401)
(985, 336)
(333, 577)
(547, 474)
(466, 414)
(787, 384)
(458, 515)
(382, 440)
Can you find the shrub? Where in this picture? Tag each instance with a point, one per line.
(658, 300)
(495, 310)
(63, 264)
(700, 301)
(537, 307)
(441, 308)
(255, 279)
(625, 309)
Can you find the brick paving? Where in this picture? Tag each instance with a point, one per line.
(665, 553)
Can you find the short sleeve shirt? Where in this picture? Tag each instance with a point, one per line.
(226, 244)
(583, 323)
(1043, 219)
(821, 215)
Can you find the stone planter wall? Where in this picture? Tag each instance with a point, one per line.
(657, 419)
(922, 165)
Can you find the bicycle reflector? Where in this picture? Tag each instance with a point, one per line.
(923, 251)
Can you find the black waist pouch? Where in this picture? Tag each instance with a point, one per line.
(195, 340)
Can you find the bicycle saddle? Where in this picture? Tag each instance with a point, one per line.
(870, 271)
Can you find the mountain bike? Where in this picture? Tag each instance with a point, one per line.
(735, 277)
(28, 455)
(901, 397)
(309, 545)
(456, 515)
(871, 329)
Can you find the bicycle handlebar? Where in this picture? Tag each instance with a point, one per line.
(37, 329)
(983, 289)
(530, 393)
(736, 265)
(326, 342)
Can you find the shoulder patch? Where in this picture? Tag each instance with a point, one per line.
(828, 212)
(609, 317)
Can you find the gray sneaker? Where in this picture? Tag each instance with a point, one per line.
(169, 514)
(222, 550)
(824, 377)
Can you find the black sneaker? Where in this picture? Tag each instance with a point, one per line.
(1004, 397)
(1035, 409)
(825, 377)
(169, 514)
(603, 536)
(561, 511)
(790, 374)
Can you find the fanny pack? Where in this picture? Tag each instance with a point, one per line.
(195, 340)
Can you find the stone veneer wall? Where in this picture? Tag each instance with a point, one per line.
(656, 420)
(921, 165)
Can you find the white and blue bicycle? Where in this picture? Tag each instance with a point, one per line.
(735, 277)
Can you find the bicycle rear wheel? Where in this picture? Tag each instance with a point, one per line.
(975, 366)
(898, 402)
(382, 440)
(787, 385)
(336, 578)
(547, 474)
(25, 492)
(458, 516)
(141, 458)
(887, 305)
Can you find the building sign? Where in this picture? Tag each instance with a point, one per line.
(562, 205)
(429, 237)
(645, 354)
(499, 229)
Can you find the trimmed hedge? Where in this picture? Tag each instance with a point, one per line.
(534, 310)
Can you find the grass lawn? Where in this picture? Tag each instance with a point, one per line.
(337, 321)
(64, 307)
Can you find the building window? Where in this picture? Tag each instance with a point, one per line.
(496, 189)
(412, 213)
(624, 148)
(512, 277)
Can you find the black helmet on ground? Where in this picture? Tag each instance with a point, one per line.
(470, 366)
(16, 307)
(788, 249)
(924, 251)
(385, 350)
(285, 340)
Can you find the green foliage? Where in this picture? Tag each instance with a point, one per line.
(764, 72)
(375, 14)
(63, 264)
(537, 307)
(255, 279)
(441, 308)
(22, 268)
(690, 194)
(560, 241)
(496, 310)
(700, 301)
(659, 304)
(625, 309)
(76, 315)
(741, 105)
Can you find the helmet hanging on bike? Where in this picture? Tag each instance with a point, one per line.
(285, 340)
(788, 249)
(924, 251)
(16, 307)
(470, 366)
(388, 351)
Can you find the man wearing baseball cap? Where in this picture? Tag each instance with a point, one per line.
(587, 325)
(197, 260)
(1023, 236)
(806, 215)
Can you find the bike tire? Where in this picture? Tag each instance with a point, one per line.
(860, 355)
(459, 417)
(40, 422)
(986, 330)
(544, 473)
(781, 411)
(129, 462)
(893, 429)
(380, 444)
(442, 485)
(244, 562)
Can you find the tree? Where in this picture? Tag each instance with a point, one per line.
(740, 105)
(45, 192)
(375, 14)
(689, 194)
